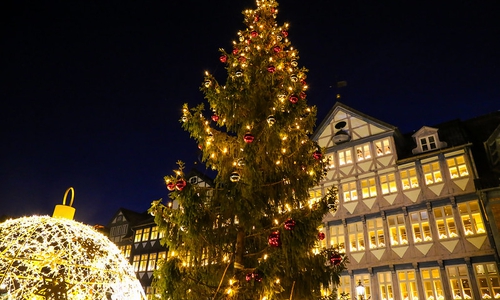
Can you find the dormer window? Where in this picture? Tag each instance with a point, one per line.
(428, 143)
(427, 139)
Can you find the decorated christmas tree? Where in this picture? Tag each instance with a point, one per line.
(252, 234)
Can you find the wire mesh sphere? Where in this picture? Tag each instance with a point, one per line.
(55, 258)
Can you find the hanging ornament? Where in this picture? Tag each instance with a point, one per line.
(184, 118)
(215, 118)
(271, 69)
(284, 33)
(271, 120)
(256, 19)
(277, 49)
(223, 58)
(294, 99)
(249, 276)
(242, 59)
(302, 95)
(279, 37)
(274, 239)
(170, 185)
(317, 155)
(254, 34)
(208, 83)
(200, 146)
(294, 78)
(294, 63)
(335, 259)
(180, 184)
(321, 236)
(235, 51)
(248, 138)
(303, 82)
(241, 162)
(289, 224)
(235, 177)
(242, 38)
(239, 73)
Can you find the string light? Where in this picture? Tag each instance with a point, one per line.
(41, 253)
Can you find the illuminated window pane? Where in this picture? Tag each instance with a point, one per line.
(397, 230)
(408, 285)
(376, 233)
(368, 188)
(337, 240)
(138, 236)
(356, 237)
(432, 173)
(472, 220)
(349, 191)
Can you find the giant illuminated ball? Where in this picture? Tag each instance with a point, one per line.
(44, 257)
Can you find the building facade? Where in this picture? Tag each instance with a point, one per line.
(137, 236)
(417, 213)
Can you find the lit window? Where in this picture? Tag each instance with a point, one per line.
(388, 183)
(138, 235)
(363, 152)
(459, 282)
(344, 286)
(349, 191)
(143, 263)
(383, 147)
(487, 280)
(315, 196)
(329, 161)
(397, 230)
(457, 167)
(376, 233)
(337, 240)
(432, 173)
(428, 143)
(471, 218)
(127, 251)
(445, 223)
(431, 281)
(408, 285)
(368, 188)
(135, 262)
(154, 233)
(420, 225)
(356, 237)
(385, 284)
(409, 179)
(145, 234)
(345, 157)
(365, 281)
(152, 262)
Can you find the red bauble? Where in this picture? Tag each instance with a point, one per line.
(215, 118)
(235, 51)
(242, 59)
(277, 49)
(289, 224)
(284, 33)
(303, 82)
(317, 155)
(223, 58)
(254, 34)
(274, 239)
(321, 236)
(303, 95)
(249, 276)
(335, 259)
(257, 277)
(271, 69)
(170, 185)
(180, 184)
(248, 138)
(294, 99)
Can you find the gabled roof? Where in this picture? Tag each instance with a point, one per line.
(338, 106)
(130, 215)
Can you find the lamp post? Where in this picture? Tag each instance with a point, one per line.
(360, 290)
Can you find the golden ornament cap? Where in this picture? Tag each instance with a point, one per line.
(65, 211)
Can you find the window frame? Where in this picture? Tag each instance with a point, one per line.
(387, 184)
(473, 216)
(432, 283)
(460, 283)
(383, 147)
(432, 173)
(456, 168)
(363, 152)
(345, 157)
(356, 237)
(445, 230)
(420, 225)
(407, 280)
(352, 191)
(337, 238)
(368, 187)
(484, 280)
(409, 175)
(375, 228)
(398, 233)
(425, 142)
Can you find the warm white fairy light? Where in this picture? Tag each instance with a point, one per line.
(39, 252)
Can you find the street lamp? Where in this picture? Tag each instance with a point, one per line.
(360, 290)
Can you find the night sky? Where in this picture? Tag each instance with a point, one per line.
(91, 91)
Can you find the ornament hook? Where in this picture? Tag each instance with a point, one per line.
(72, 196)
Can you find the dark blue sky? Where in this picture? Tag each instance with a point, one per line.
(91, 91)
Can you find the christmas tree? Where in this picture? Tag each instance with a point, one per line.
(254, 233)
